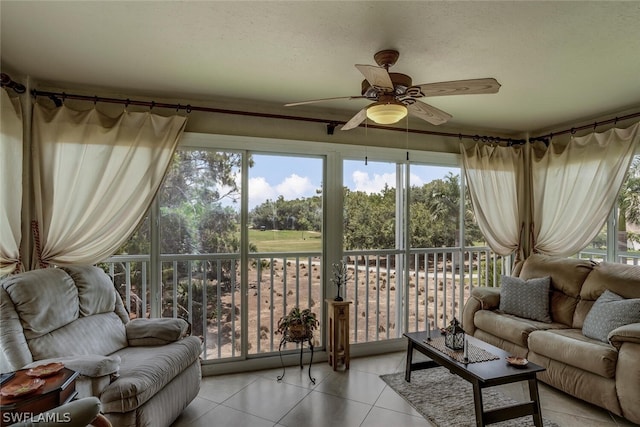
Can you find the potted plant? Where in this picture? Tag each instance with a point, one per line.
(298, 324)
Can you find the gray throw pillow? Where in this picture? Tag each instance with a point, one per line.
(526, 298)
(610, 311)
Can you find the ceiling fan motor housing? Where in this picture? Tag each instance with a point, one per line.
(401, 82)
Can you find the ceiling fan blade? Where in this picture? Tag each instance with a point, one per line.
(313, 101)
(376, 76)
(356, 120)
(457, 87)
(428, 113)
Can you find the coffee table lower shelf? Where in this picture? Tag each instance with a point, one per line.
(480, 375)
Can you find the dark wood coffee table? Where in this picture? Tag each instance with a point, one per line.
(480, 375)
(58, 389)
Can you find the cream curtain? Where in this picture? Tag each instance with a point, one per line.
(10, 183)
(575, 186)
(95, 177)
(495, 181)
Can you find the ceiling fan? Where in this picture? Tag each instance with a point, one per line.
(395, 95)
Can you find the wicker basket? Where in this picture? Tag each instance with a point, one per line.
(299, 332)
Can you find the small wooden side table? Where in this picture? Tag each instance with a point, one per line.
(338, 332)
(58, 389)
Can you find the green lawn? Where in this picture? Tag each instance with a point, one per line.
(286, 240)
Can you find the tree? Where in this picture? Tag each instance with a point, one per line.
(435, 212)
(369, 219)
(192, 217)
(218, 229)
(629, 204)
(300, 214)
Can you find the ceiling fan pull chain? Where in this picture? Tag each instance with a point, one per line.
(406, 140)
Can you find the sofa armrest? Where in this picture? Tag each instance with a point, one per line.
(160, 331)
(627, 340)
(489, 297)
(626, 333)
(481, 299)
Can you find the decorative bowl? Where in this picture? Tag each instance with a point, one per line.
(45, 370)
(518, 362)
(28, 385)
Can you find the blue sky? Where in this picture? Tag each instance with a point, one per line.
(298, 177)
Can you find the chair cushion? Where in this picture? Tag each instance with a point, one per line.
(526, 298)
(45, 300)
(570, 347)
(146, 370)
(100, 334)
(610, 311)
(96, 292)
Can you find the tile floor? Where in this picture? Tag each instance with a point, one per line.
(357, 397)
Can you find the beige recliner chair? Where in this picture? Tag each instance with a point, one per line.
(144, 371)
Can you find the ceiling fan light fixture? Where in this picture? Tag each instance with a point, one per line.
(386, 113)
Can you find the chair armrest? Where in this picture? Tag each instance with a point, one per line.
(160, 331)
(90, 365)
(626, 333)
(78, 413)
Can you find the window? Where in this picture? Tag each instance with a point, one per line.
(628, 232)
(619, 238)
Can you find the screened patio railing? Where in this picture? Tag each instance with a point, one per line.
(205, 290)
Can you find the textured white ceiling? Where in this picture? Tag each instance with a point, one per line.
(556, 61)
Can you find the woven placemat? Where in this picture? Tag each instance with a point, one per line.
(475, 354)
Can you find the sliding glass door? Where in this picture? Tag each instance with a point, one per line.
(285, 234)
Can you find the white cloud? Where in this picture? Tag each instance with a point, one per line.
(292, 187)
(295, 186)
(376, 182)
(259, 191)
(416, 181)
(372, 184)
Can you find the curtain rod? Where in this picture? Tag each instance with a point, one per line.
(546, 138)
(331, 124)
(6, 81)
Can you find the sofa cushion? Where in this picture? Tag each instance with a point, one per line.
(570, 347)
(509, 327)
(146, 370)
(525, 298)
(609, 312)
(45, 300)
(567, 277)
(96, 293)
(621, 279)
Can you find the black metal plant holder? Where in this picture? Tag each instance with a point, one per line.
(299, 340)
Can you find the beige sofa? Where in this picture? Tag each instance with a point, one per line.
(144, 371)
(606, 374)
